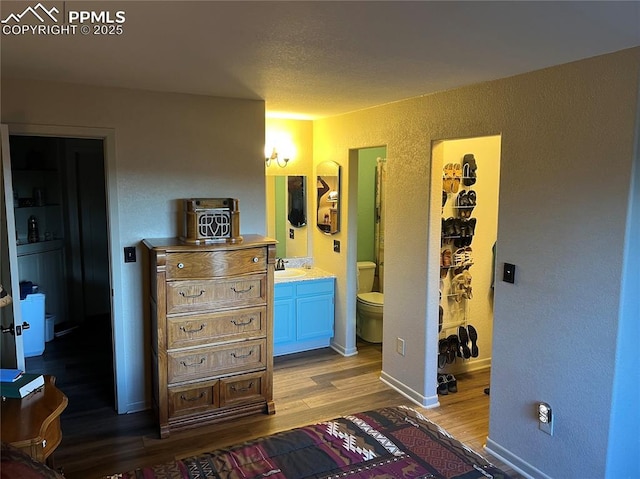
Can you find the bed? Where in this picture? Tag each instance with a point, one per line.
(392, 442)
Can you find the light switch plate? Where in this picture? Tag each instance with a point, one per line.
(509, 274)
(129, 254)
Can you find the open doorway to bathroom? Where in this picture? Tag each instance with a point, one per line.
(468, 241)
(370, 246)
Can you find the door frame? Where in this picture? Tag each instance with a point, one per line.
(12, 350)
(107, 135)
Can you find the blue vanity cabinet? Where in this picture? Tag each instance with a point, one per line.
(303, 315)
(284, 313)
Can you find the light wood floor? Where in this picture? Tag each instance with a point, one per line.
(308, 387)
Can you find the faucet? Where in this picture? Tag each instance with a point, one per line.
(279, 264)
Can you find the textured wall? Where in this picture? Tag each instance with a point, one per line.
(168, 146)
(567, 149)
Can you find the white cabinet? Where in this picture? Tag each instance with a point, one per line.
(43, 264)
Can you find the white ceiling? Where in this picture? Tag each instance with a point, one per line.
(314, 59)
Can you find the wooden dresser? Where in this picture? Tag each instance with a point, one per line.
(211, 330)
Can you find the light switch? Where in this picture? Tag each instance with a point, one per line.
(509, 274)
(129, 254)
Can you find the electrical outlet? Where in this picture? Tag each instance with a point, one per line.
(400, 346)
(291, 233)
(336, 246)
(545, 418)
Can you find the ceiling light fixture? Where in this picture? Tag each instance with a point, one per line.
(274, 156)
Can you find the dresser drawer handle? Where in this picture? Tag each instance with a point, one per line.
(242, 356)
(185, 295)
(192, 364)
(240, 291)
(243, 390)
(255, 259)
(242, 324)
(180, 265)
(184, 398)
(189, 331)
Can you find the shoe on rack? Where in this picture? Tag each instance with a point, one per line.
(469, 167)
(464, 342)
(443, 351)
(473, 336)
(454, 348)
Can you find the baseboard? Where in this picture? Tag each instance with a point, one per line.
(513, 461)
(343, 351)
(427, 402)
(136, 407)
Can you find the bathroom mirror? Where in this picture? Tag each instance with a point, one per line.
(292, 240)
(328, 184)
(297, 200)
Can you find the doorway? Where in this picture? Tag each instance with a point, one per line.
(470, 190)
(371, 174)
(59, 184)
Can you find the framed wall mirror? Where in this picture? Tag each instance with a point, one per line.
(292, 238)
(328, 184)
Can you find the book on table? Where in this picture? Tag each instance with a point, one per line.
(10, 375)
(24, 385)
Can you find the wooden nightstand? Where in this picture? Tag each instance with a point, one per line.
(32, 423)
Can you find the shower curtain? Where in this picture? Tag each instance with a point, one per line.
(381, 173)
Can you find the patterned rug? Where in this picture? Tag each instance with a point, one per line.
(387, 443)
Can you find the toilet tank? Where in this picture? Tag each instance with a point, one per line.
(366, 275)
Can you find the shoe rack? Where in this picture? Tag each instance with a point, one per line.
(457, 337)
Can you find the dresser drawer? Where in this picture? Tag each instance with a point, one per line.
(216, 360)
(207, 264)
(198, 329)
(202, 295)
(241, 389)
(193, 398)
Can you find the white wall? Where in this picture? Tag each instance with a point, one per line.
(568, 137)
(168, 147)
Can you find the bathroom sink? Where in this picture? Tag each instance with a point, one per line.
(290, 273)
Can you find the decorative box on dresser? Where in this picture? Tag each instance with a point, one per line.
(211, 330)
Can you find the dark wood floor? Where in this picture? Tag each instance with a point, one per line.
(308, 387)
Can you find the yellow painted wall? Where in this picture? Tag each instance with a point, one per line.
(293, 139)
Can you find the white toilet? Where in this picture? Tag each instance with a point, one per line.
(369, 304)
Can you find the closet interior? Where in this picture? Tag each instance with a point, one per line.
(470, 180)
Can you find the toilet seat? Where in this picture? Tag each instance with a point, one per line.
(372, 299)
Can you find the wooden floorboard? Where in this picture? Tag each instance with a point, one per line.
(308, 387)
